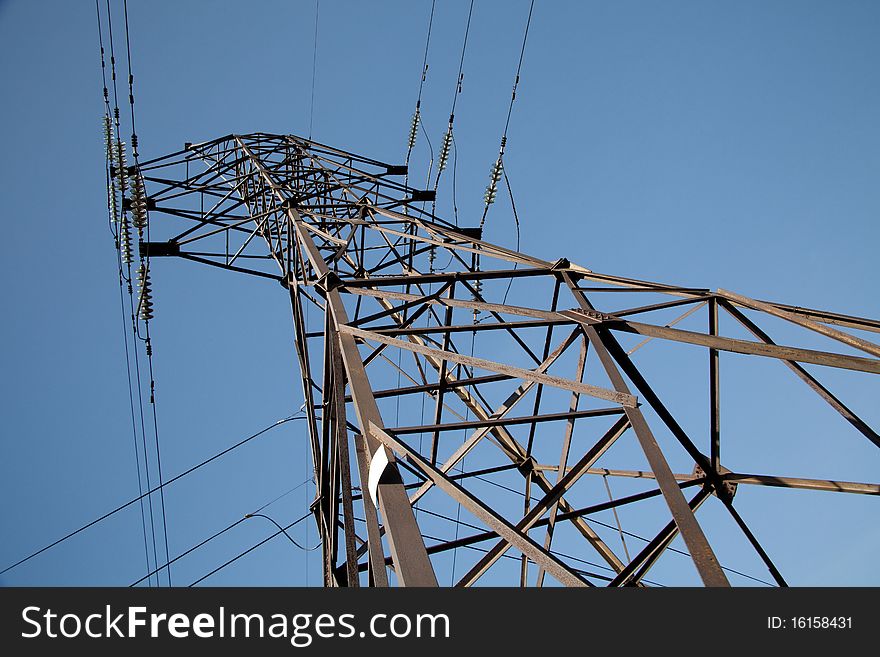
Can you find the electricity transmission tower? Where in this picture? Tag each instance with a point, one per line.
(429, 395)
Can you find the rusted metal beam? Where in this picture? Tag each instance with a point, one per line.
(704, 557)
(849, 415)
(507, 421)
(480, 510)
(829, 485)
(625, 399)
(806, 322)
(714, 395)
(499, 413)
(550, 499)
(642, 562)
(378, 576)
(564, 452)
(412, 565)
(733, 345)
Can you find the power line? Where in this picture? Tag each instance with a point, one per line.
(467, 30)
(158, 458)
(134, 142)
(111, 212)
(124, 244)
(144, 297)
(285, 494)
(151, 491)
(219, 533)
(498, 167)
(447, 138)
(252, 548)
(284, 531)
(522, 53)
(314, 69)
(189, 551)
(133, 420)
(417, 115)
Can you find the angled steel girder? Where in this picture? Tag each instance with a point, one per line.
(416, 316)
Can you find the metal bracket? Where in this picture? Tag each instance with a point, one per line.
(158, 249)
(419, 195)
(328, 282)
(728, 488)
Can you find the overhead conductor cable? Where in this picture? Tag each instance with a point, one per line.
(447, 138)
(113, 211)
(497, 170)
(416, 120)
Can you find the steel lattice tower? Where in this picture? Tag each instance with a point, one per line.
(501, 392)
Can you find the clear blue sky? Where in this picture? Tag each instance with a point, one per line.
(706, 143)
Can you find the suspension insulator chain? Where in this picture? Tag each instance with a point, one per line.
(120, 175)
(145, 302)
(414, 127)
(120, 186)
(444, 149)
(138, 203)
(108, 137)
(111, 165)
(494, 178)
(125, 239)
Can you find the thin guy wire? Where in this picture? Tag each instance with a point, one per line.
(616, 518)
(314, 69)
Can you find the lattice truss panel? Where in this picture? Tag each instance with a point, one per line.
(469, 405)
